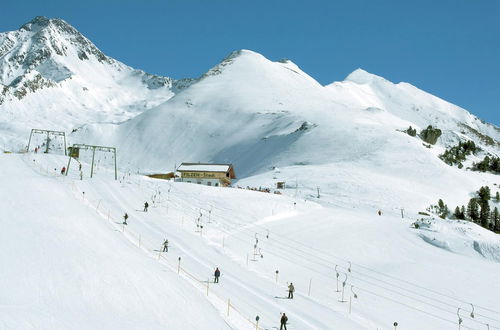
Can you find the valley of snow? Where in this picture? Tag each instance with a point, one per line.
(341, 150)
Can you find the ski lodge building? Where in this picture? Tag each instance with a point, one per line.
(207, 174)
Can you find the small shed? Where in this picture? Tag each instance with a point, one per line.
(207, 173)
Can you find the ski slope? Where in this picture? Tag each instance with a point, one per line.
(341, 149)
(90, 271)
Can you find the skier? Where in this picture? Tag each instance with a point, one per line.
(63, 170)
(81, 175)
(80, 166)
(283, 321)
(216, 275)
(379, 212)
(146, 206)
(125, 217)
(291, 289)
(165, 246)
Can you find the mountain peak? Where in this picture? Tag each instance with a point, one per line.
(41, 22)
(361, 76)
(38, 21)
(47, 45)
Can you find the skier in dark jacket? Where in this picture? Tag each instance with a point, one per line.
(165, 246)
(283, 321)
(291, 289)
(216, 275)
(146, 205)
(125, 217)
(63, 170)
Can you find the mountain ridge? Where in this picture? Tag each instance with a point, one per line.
(261, 104)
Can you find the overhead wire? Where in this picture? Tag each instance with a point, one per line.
(242, 227)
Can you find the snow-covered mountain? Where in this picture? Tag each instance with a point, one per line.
(259, 115)
(51, 75)
(246, 110)
(265, 106)
(342, 150)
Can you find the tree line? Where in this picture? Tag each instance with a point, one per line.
(478, 210)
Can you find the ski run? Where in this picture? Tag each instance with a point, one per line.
(71, 263)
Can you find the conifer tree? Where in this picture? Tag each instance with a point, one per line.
(484, 215)
(442, 209)
(473, 210)
(495, 218)
(497, 197)
(484, 194)
(457, 213)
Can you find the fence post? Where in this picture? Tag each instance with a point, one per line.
(228, 305)
(179, 266)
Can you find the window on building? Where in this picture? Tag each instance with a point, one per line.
(209, 183)
(199, 182)
(216, 184)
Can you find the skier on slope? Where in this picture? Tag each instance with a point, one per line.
(216, 275)
(146, 205)
(283, 321)
(125, 217)
(165, 246)
(63, 170)
(379, 212)
(291, 290)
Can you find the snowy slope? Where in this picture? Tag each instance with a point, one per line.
(339, 148)
(259, 115)
(365, 91)
(52, 77)
(64, 267)
(396, 273)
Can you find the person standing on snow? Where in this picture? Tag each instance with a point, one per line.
(63, 170)
(283, 321)
(216, 275)
(291, 289)
(146, 205)
(125, 217)
(165, 246)
(379, 212)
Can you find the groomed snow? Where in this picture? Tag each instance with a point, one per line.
(70, 264)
